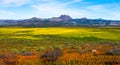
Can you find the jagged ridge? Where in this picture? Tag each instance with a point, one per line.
(63, 20)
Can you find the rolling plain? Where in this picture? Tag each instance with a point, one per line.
(60, 46)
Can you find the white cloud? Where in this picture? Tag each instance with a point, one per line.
(53, 9)
(76, 0)
(106, 11)
(14, 2)
(115, 15)
(48, 0)
(96, 7)
(6, 14)
(56, 8)
(71, 2)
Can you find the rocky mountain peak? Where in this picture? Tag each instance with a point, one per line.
(65, 17)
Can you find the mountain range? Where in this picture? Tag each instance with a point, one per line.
(63, 20)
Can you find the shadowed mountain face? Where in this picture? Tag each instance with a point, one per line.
(63, 20)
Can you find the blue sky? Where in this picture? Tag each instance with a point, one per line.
(23, 9)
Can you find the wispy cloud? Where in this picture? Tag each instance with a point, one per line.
(4, 14)
(73, 1)
(56, 8)
(51, 8)
(96, 7)
(106, 11)
(8, 3)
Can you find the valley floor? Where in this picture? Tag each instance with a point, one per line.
(59, 46)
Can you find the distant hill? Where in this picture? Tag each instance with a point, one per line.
(63, 20)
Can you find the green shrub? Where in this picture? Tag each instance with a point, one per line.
(16, 51)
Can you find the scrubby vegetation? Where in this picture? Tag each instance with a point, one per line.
(59, 46)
